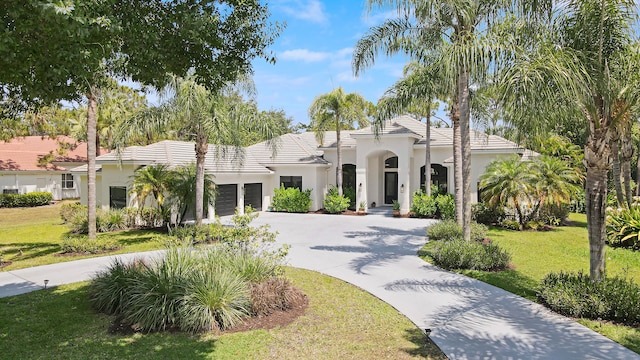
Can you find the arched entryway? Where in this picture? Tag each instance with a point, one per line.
(390, 179)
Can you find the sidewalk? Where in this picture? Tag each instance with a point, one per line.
(469, 319)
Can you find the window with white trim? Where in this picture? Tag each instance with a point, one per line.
(67, 181)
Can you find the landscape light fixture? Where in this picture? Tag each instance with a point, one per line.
(402, 188)
(45, 283)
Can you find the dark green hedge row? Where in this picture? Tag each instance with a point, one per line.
(25, 200)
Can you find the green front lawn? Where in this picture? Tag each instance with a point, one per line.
(535, 254)
(342, 322)
(38, 233)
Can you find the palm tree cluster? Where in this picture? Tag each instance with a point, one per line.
(173, 190)
(527, 187)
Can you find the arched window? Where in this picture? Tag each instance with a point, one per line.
(391, 163)
(438, 177)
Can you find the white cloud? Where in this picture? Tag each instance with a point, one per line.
(346, 76)
(378, 18)
(283, 80)
(304, 55)
(310, 10)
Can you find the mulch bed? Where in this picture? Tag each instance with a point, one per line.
(72, 254)
(5, 263)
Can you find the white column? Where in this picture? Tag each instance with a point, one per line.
(241, 192)
(404, 182)
(361, 187)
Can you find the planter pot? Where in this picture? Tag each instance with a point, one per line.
(396, 213)
(361, 212)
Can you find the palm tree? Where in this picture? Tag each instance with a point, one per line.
(196, 113)
(508, 183)
(584, 65)
(152, 180)
(337, 111)
(414, 93)
(458, 35)
(183, 194)
(555, 181)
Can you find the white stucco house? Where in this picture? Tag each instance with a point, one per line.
(381, 169)
(23, 171)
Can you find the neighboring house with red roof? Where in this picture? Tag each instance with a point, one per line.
(36, 163)
(381, 170)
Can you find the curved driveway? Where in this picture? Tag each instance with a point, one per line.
(468, 318)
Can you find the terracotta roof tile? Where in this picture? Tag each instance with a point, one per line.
(23, 153)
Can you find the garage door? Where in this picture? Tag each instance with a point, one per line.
(226, 199)
(253, 195)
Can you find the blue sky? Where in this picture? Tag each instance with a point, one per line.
(314, 55)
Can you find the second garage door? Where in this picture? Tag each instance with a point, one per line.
(253, 195)
(226, 199)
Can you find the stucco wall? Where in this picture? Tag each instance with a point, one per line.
(30, 181)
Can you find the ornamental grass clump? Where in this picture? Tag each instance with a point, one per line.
(574, 294)
(623, 227)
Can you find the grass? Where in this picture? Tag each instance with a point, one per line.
(58, 323)
(38, 233)
(566, 248)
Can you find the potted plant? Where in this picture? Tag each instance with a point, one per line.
(361, 208)
(396, 208)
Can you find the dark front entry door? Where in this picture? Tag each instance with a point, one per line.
(253, 195)
(390, 187)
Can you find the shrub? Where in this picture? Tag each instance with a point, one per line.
(578, 203)
(510, 224)
(274, 294)
(187, 289)
(446, 206)
(485, 214)
(575, 295)
(111, 220)
(553, 214)
(472, 255)
(36, 198)
(109, 288)
(335, 204)
(450, 230)
(623, 227)
(291, 200)
(350, 193)
(80, 244)
(69, 210)
(423, 205)
(213, 301)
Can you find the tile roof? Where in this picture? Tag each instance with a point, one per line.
(219, 159)
(23, 153)
(290, 149)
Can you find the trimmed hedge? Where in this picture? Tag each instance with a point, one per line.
(291, 200)
(574, 294)
(471, 255)
(36, 198)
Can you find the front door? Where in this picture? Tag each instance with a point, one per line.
(390, 187)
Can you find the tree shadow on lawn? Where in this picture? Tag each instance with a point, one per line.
(425, 347)
(134, 237)
(30, 250)
(60, 323)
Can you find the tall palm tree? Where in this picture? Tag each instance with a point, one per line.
(414, 93)
(555, 181)
(337, 111)
(201, 115)
(584, 65)
(457, 34)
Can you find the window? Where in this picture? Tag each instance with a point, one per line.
(67, 181)
(349, 176)
(291, 182)
(391, 163)
(438, 177)
(9, 191)
(117, 197)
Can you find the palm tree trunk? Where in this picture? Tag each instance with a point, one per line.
(339, 165)
(427, 157)
(626, 153)
(597, 153)
(638, 174)
(616, 172)
(457, 159)
(202, 146)
(465, 114)
(92, 119)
